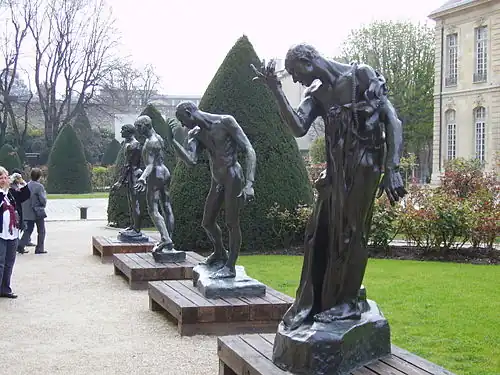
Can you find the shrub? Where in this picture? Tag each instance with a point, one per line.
(281, 176)
(102, 178)
(9, 158)
(68, 171)
(384, 225)
(111, 153)
(288, 226)
(317, 151)
(462, 177)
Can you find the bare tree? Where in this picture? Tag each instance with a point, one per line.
(74, 42)
(126, 86)
(19, 17)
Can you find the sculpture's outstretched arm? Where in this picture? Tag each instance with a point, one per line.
(243, 142)
(299, 121)
(188, 155)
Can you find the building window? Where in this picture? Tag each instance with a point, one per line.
(451, 134)
(451, 60)
(481, 51)
(480, 132)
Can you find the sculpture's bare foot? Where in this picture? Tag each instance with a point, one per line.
(224, 273)
(343, 311)
(163, 247)
(216, 258)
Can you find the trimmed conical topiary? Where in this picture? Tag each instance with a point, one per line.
(111, 153)
(9, 158)
(281, 176)
(68, 171)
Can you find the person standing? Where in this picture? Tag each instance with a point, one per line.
(23, 226)
(11, 199)
(34, 214)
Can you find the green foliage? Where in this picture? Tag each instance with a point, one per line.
(95, 141)
(9, 159)
(289, 225)
(281, 177)
(384, 226)
(68, 171)
(118, 208)
(102, 178)
(163, 128)
(111, 153)
(317, 151)
(404, 53)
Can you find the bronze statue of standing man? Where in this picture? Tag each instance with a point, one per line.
(130, 173)
(155, 180)
(221, 136)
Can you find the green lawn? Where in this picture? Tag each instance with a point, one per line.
(445, 312)
(78, 196)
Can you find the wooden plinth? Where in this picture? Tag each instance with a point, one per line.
(252, 355)
(105, 247)
(139, 268)
(195, 314)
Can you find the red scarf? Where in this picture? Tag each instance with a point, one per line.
(12, 211)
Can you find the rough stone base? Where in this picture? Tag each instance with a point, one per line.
(126, 237)
(169, 256)
(333, 348)
(240, 286)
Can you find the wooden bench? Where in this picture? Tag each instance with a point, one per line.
(139, 268)
(105, 247)
(195, 314)
(252, 355)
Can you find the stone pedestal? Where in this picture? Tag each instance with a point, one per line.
(333, 348)
(240, 286)
(169, 256)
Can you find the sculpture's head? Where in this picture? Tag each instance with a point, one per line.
(127, 131)
(301, 63)
(185, 114)
(143, 124)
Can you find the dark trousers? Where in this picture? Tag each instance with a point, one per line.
(40, 228)
(7, 259)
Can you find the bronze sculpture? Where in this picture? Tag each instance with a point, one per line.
(221, 136)
(129, 175)
(155, 180)
(360, 123)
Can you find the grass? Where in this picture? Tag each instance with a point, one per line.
(447, 313)
(78, 196)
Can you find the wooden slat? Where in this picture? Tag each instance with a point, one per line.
(419, 362)
(213, 316)
(252, 354)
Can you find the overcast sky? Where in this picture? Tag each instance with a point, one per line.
(186, 41)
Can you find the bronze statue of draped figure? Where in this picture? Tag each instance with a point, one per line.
(363, 137)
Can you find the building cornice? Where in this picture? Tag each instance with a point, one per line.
(455, 8)
(476, 91)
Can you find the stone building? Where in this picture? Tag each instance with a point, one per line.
(467, 83)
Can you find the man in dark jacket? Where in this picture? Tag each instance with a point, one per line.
(34, 213)
(23, 223)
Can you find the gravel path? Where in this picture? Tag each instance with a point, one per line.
(74, 316)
